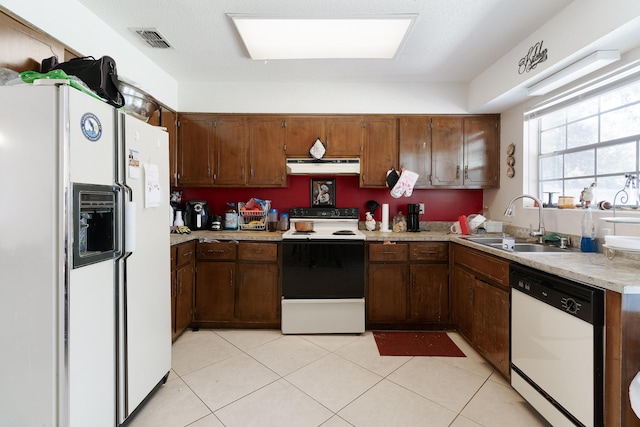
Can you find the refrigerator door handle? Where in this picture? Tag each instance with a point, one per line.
(129, 227)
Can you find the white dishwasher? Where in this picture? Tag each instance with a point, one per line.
(557, 346)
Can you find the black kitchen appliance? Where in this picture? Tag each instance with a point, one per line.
(413, 217)
(197, 214)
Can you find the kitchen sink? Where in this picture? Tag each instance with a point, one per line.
(485, 240)
(529, 247)
(520, 245)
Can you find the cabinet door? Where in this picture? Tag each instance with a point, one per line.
(266, 152)
(258, 296)
(492, 320)
(387, 293)
(415, 148)
(302, 133)
(174, 299)
(429, 292)
(184, 297)
(196, 150)
(231, 148)
(169, 120)
(481, 152)
(344, 136)
(462, 306)
(380, 151)
(215, 291)
(446, 151)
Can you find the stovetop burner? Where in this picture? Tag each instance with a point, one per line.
(337, 224)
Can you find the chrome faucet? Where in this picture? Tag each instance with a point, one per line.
(540, 233)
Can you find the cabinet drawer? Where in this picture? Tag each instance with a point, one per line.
(495, 269)
(185, 253)
(381, 252)
(429, 251)
(217, 250)
(258, 252)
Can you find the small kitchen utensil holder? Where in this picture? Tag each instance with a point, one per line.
(253, 219)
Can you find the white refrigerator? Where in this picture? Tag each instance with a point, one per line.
(84, 259)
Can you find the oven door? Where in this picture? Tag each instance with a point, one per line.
(315, 269)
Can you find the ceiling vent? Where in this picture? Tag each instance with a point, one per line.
(152, 37)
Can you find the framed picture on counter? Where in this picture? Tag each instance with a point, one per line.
(323, 192)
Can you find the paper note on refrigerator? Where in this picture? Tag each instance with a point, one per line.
(153, 190)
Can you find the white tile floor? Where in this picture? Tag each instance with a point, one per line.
(246, 378)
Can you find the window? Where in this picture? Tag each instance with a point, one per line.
(592, 139)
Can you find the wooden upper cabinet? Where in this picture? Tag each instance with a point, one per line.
(481, 152)
(380, 151)
(342, 136)
(302, 132)
(196, 152)
(169, 120)
(464, 151)
(267, 140)
(415, 148)
(446, 151)
(231, 135)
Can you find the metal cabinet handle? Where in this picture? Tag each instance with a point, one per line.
(458, 172)
(466, 172)
(429, 252)
(230, 277)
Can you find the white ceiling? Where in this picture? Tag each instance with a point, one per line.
(452, 41)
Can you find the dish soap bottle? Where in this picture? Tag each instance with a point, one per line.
(588, 241)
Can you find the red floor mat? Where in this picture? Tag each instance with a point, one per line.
(416, 344)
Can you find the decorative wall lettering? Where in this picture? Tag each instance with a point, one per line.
(535, 56)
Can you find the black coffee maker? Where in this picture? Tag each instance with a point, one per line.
(413, 217)
(197, 214)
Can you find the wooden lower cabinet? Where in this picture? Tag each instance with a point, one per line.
(407, 285)
(429, 292)
(480, 303)
(238, 284)
(182, 287)
(492, 317)
(258, 296)
(215, 291)
(387, 293)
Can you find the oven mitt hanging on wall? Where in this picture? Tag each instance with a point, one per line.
(405, 184)
(392, 177)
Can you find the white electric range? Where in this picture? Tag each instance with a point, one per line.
(323, 273)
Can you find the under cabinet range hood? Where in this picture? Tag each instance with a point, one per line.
(323, 166)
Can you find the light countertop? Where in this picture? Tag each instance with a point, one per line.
(618, 274)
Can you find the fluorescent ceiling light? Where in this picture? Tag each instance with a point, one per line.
(584, 66)
(299, 38)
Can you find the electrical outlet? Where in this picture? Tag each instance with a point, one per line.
(421, 208)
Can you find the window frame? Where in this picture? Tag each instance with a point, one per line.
(533, 120)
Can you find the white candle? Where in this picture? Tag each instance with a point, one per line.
(384, 225)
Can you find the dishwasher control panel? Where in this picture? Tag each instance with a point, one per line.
(576, 299)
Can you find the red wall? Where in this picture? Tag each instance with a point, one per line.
(440, 204)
